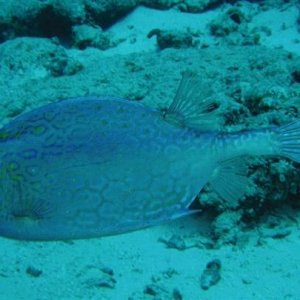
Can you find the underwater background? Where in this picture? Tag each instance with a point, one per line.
(138, 49)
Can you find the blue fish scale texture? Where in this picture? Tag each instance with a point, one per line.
(96, 166)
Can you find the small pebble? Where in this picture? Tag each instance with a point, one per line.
(177, 295)
(34, 272)
(211, 275)
(107, 271)
(107, 282)
(153, 290)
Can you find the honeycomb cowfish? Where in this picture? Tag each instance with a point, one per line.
(96, 166)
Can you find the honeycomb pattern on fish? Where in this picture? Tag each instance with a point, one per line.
(77, 171)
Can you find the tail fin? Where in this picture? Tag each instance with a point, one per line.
(289, 139)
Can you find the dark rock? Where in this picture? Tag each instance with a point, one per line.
(296, 75)
(90, 36)
(172, 38)
(192, 6)
(55, 18)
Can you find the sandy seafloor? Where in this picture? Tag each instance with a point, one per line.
(251, 55)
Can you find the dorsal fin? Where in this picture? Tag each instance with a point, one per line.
(194, 105)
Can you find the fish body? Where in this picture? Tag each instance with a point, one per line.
(90, 167)
(99, 165)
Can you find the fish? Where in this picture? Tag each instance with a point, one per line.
(92, 166)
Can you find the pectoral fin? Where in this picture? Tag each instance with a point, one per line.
(229, 180)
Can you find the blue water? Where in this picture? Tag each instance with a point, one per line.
(249, 54)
